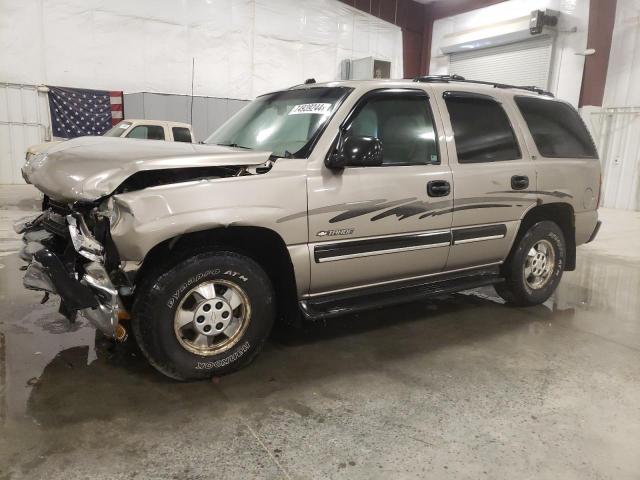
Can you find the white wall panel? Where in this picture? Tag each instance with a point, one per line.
(623, 74)
(242, 48)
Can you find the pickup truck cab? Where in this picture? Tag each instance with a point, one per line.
(310, 203)
(152, 130)
(142, 129)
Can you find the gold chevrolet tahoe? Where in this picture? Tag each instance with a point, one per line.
(309, 203)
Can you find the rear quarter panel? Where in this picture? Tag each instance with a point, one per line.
(575, 181)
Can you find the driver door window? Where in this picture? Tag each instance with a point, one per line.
(403, 124)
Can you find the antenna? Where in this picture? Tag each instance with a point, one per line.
(193, 71)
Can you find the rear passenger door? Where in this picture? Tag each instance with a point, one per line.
(493, 175)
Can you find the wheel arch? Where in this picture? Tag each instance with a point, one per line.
(562, 214)
(261, 244)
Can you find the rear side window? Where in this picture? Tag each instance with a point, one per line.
(556, 128)
(147, 132)
(181, 134)
(481, 129)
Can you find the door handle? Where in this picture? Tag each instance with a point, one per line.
(438, 188)
(519, 182)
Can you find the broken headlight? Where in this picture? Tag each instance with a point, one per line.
(82, 240)
(109, 209)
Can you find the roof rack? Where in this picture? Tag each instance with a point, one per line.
(458, 78)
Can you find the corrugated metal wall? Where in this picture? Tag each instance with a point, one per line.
(208, 113)
(618, 132)
(617, 135)
(24, 121)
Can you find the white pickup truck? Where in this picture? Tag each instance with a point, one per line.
(140, 129)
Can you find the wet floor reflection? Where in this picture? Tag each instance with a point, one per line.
(605, 293)
(54, 374)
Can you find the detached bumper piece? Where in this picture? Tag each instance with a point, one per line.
(88, 290)
(47, 270)
(28, 223)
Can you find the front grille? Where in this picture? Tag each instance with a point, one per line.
(59, 208)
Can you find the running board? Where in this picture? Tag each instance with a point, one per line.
(336, 304)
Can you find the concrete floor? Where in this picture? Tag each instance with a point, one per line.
(462, 387)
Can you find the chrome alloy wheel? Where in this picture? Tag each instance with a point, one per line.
(539, 264)
(212, 317)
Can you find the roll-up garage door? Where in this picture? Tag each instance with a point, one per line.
(522, 63)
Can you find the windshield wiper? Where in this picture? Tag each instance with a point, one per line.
(235, 145)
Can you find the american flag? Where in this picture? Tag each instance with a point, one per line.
(76, 112)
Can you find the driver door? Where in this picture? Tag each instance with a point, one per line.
(371, 225)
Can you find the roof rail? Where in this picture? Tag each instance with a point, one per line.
(458, 78)
(440, 78)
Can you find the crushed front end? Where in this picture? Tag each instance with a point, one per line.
(69, 253)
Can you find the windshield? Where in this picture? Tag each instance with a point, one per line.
(118, 130)
(284, 123)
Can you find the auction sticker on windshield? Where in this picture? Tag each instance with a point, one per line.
(320, 108)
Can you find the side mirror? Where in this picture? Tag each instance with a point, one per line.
(356, 152)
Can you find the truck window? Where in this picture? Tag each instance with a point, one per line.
(181, 134)
(147, 132)
(118, 130)
(556, 128)
(481, 129)
(404, 125)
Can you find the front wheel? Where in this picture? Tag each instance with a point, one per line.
(535, 267)
(207, 316)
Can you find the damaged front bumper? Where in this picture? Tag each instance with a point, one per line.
(88, 290)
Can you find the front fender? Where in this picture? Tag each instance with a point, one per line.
(146, 218)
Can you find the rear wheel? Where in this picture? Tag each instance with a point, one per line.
(207, 316)
(534, 269)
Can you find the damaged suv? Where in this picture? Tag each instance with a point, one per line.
(309, 203)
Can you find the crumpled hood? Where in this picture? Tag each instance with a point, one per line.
(88, 168)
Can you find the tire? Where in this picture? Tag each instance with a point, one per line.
(529, 257)
(179, 351)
